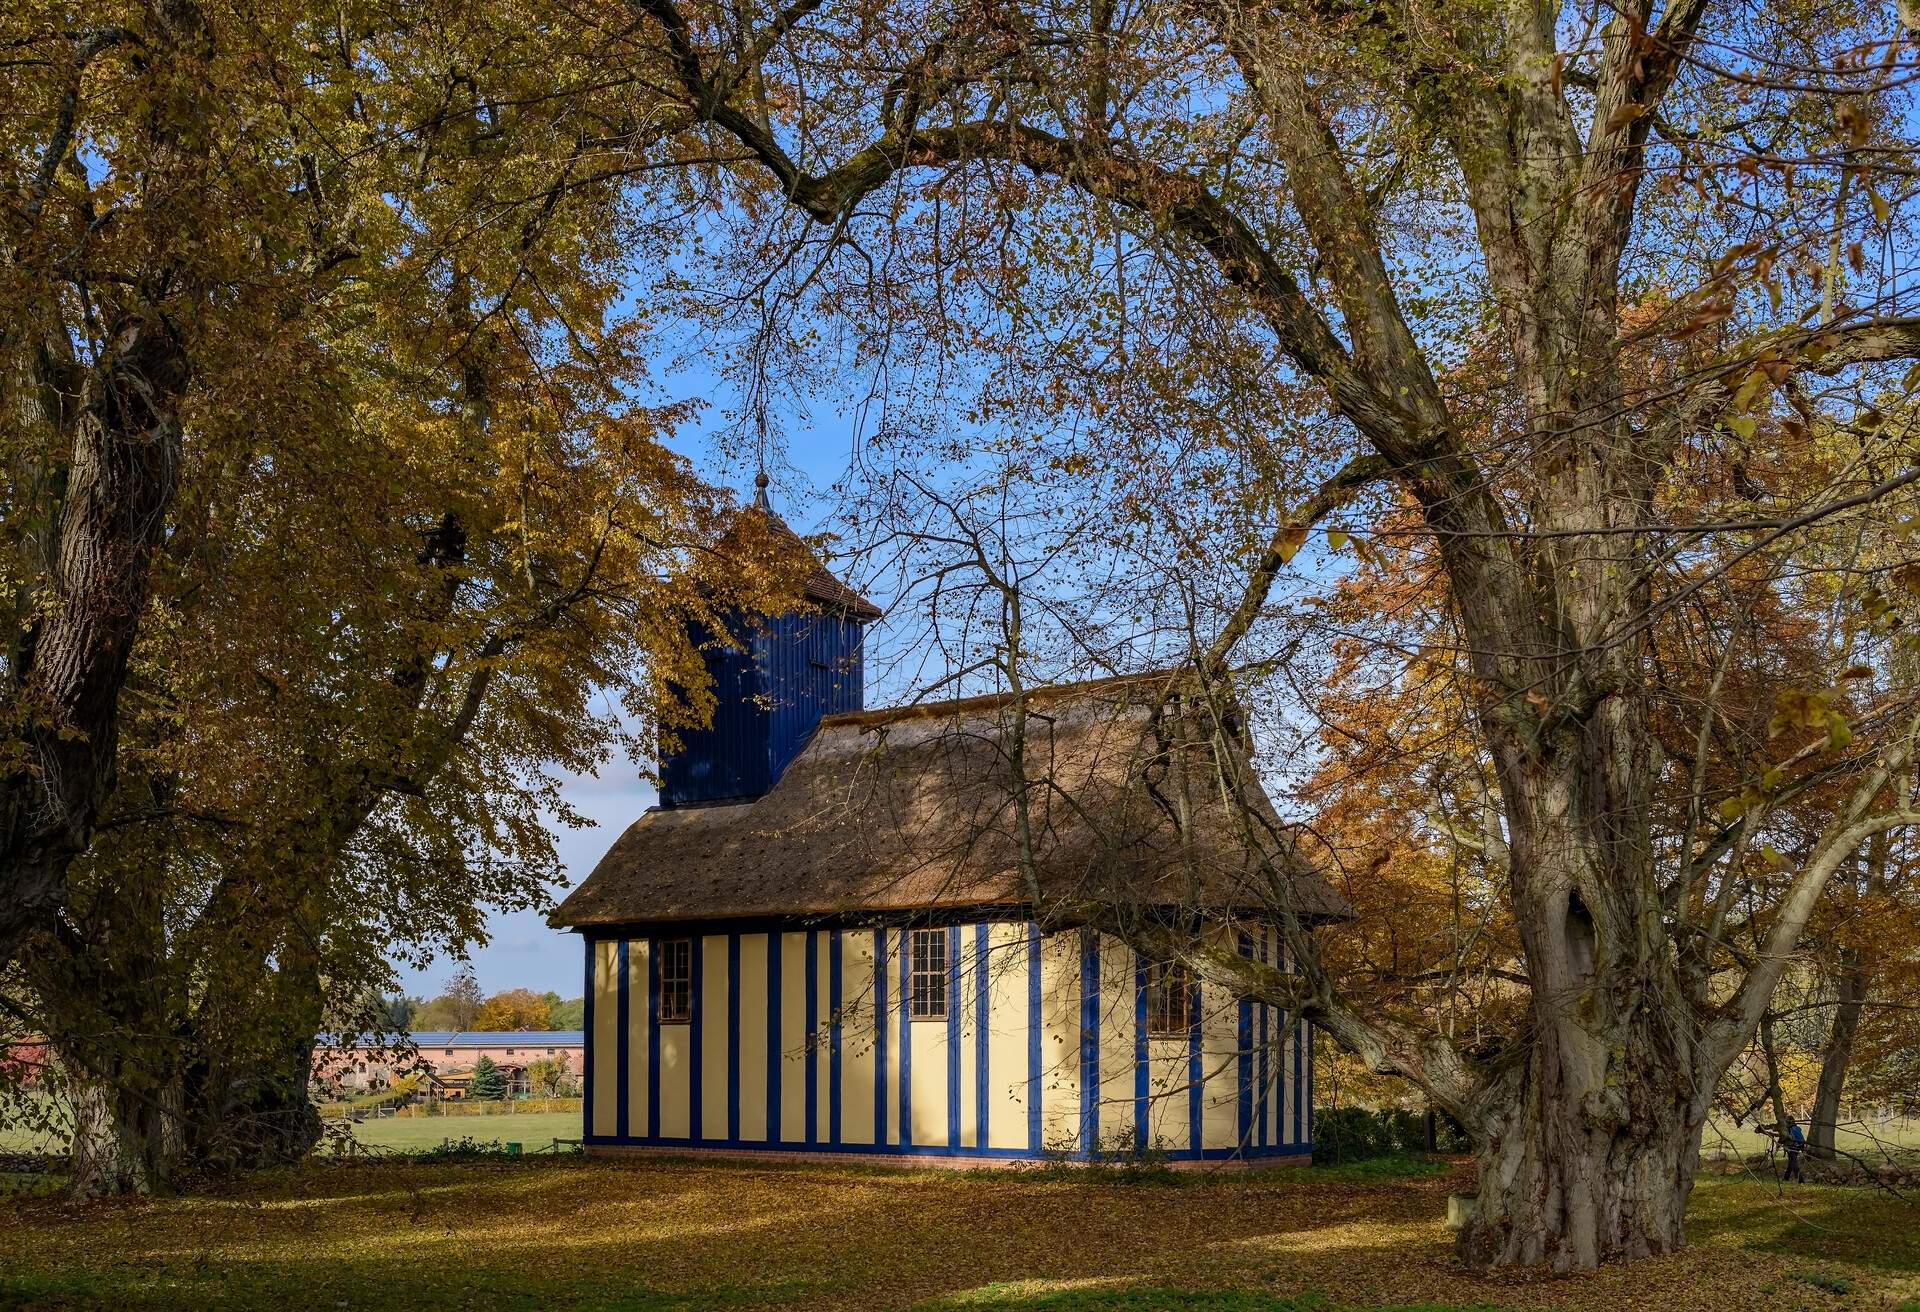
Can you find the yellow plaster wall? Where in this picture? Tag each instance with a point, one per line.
(753, 1038)
(711, 1016)
(606, 1036)
(637, 972)
(929, 1070)
(857, 1054)
(793, 1038)
(1007, 1036)
(1117, 1027)
(1060, 1041)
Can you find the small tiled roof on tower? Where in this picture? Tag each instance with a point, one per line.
(821, 586)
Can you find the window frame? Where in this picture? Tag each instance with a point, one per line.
(1161, 977)
(823, 643)
(670, 986)
(928, 976)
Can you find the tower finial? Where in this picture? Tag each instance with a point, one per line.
(760, 492)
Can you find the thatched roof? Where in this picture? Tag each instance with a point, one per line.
(911, 810)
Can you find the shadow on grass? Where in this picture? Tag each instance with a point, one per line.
(362, 1285)
(1013, 1298)
(1868, 1227)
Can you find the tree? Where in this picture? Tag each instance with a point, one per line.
(545, 1075)
(464, 1002)
(488, 1084)
(97, 372)
(1537, 302)
(417, 519)
(515, 1009)
(399, 1010)
(567, 1013)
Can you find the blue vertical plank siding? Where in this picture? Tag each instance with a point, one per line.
(728, 758)
(982, 1012)
(1089, 1042)
(773, 680)
(812, 667)
(1259, 1032)
(1033, 1039)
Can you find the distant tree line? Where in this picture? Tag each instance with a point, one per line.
(462, 1006)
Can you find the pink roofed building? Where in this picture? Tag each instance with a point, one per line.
(449, 1056)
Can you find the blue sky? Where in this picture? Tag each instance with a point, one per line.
(521, 951)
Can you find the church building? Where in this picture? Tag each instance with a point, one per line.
(836, 935)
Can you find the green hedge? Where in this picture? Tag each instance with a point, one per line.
(1355, 1134)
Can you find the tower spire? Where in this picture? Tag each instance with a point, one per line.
(760, 491)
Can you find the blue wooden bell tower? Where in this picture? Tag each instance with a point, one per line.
(774, 678)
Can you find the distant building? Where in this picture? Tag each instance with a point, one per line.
(368, 1063)
(823, 938)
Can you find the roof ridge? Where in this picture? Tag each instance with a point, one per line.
(823, 585)
(924, 710)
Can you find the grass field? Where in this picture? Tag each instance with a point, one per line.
(533, 1130)
(1867, 1139)
(536, 1130)
(658, 1235)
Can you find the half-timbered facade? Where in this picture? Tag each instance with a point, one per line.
(863, 948)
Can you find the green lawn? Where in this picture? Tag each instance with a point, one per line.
(1866, 1139)
(18, 1139)
(659, 1234)
(533, 1130)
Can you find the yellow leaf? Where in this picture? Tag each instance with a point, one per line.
(1624, 115)
(1291, 541)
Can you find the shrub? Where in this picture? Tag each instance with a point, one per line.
(488, 1084)
(1355, 1134)
(1350, 1134)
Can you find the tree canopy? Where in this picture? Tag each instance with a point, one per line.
(1579, 331)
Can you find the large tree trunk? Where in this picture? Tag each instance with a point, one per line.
(1587, 1149)
(1836, 1058)
(251, 1104)
(1561, 1187)
(68, 669)
(126, 1138)
(1776, 1097)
